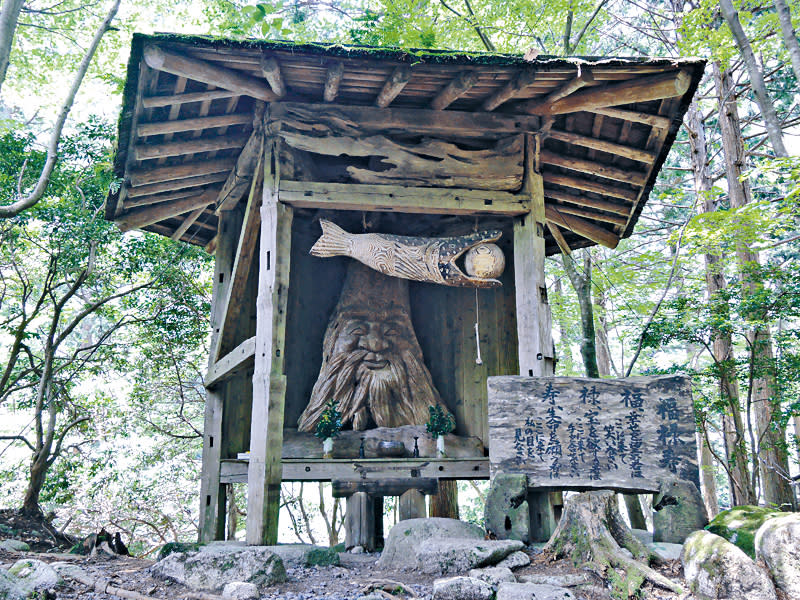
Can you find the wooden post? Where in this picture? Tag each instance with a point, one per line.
(412, 505)
(533, 311)
(211, 524)
(269, 381)
(359, 522)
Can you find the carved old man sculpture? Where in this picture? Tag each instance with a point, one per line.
(372, 362)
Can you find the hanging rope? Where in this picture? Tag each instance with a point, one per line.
(478, 359)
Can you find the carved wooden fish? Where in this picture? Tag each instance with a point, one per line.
(415, 258)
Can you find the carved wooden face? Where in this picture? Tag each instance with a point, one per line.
(380, 339)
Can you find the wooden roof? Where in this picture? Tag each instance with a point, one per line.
(190, 105)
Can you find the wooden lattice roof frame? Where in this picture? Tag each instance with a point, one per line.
(191, 103)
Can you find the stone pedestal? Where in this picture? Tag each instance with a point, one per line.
(679, 511)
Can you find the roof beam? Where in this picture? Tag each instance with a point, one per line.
(538, 106)
(181, 171)
(633, 115)
(199, 123)
(604, 146)
(239, 178)
(580, 212)
(333, 78)
(169, 100)
(593, 168)
(149, 151)
(559, 238)
(393, 86)
(459, 86)
(582, 227)
(178, 184)
(272, 73)
(147, 200)
(612, 207)
(643, 89)
(187, 222)
(142, 217)
(523, 79)
(200, 70)
(590, 186)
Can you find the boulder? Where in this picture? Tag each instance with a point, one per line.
(679, 511)
(715, 569)
(240, 590)
(778, 545)
(462, 588)
(739, 525)
(507, 515)
(215, 565)
(305, 555)
(14, 546)
(9, 589)
(399, 551)
(493, 575)
(34, 575)
(665, 551)
(515, 560)
(566, 580)
(453, 555)
(532, 591)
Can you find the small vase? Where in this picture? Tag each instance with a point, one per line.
(327, 448)
(440, 445)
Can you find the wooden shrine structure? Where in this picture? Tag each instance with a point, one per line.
(242, 146)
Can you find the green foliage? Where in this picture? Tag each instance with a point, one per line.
(330, 424)
(439, 422)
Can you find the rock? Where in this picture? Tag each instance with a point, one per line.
(507, 515)
(566, 580)
(240, 590)
(643, 535)
(778, 545)
(462, 588)
(171, 547)
(493, 575)
(679, 511)
(532, 591)
(14, 546)
(357, 550)
(215, 565)
(456, 555)
(321, 556)
(302, 555)
(9, 589)
(716, 569)
(665, 551)
(400, 549)
(515, 560)
(34, 575)
(739, 525)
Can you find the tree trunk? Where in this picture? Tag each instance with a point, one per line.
(708, 484)
(444, 503)
(770, 453)
(771, 122)
(789, 37)
(582, 284)
(9, 15)
(38, 473)
(601, 338)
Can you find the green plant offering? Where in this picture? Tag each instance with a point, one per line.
(439, 422)
(330, 424)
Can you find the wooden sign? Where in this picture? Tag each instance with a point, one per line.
(623, 434)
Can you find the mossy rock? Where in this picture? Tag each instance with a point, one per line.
(739, 525)
(321, 557)
(339, 547)
(171, 547)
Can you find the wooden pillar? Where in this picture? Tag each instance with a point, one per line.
(212, 509)
(359, 522)
(534, 328)
(269, 381)
(411, 505)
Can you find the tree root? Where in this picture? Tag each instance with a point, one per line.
(592, 533)
(103, 586)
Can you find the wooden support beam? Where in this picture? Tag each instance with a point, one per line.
(391, 486)
(187, 223)
(590, 186)
(182, 171)
(643, 89)
(211, 246)
(141, 217)
(148, 200)
(333, 77)
(580, 212)
(269, 380)
(582, 227)
(539, 106)
(173, 186)
(228, 365)
(212, 144)
(523, 79)
(359, 522)
(594, 168)
(272, 73)
(393, 86)
(195, 124)
(559, 238)
(396, 198)
(634, 116)
(212, 523)
(612, 207)
(200, 70)
(242, 174)
(170, 99)
(597, 144)
(454, 90)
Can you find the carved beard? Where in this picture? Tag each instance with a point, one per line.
(398, 394)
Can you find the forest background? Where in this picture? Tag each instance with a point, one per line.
(103, 335)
